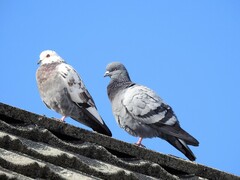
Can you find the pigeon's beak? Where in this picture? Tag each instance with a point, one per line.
(107, 73)
(39, 61)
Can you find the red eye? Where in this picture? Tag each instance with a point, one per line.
(48, 55)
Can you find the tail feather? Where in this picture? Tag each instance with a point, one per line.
(181, 146)
(94, 123)
(178, 132)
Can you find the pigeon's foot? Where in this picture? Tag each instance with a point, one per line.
(63, 118)
(139, 143)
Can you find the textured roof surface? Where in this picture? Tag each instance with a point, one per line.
(34, 146)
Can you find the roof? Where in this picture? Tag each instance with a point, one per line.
(34, 146)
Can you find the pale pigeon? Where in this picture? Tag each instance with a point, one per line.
(62, 90)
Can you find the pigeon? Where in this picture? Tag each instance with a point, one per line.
(142, 113)
(62, 90)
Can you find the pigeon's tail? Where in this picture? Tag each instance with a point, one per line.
(181, 146)
(178, 132)
(94, 123)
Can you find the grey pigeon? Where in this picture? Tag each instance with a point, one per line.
(142, 113)
(63, 91)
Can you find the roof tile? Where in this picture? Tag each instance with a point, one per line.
(35, 146)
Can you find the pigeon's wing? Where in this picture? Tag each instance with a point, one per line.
(79, 94)
(146, 106)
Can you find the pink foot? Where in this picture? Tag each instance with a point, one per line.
(139, 143)
(63, 119)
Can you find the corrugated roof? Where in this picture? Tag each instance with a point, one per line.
(34, 146)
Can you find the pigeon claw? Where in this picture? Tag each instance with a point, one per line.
(63, 119)
(139, 143)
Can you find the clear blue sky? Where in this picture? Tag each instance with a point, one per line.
(187, 51)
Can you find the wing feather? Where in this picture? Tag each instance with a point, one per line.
(146, 106)
(77, 90)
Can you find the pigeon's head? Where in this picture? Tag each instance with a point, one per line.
(116, 70)
(49, 56)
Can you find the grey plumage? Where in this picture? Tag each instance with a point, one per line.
(142, 113)
(63, 91)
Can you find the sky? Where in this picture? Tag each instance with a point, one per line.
(186, 51)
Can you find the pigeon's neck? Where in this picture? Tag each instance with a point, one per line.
(117, 85)
(50, 66)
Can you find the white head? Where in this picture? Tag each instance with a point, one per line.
(49, 56)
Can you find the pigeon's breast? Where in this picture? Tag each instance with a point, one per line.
(51, 86)
(46, 72)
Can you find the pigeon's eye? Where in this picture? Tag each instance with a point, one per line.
(48, 55)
